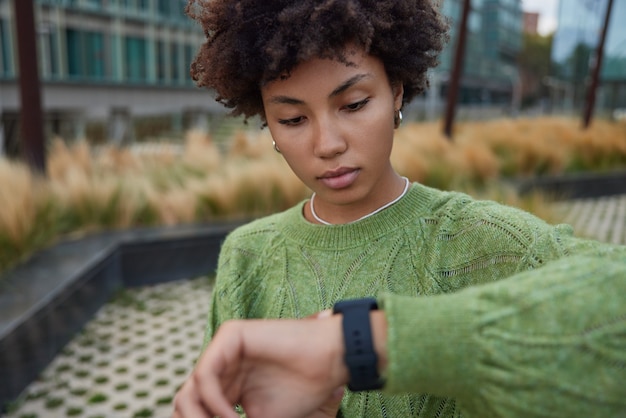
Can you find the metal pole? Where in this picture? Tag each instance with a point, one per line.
(595, 76)
(453, 85)
(31, 114)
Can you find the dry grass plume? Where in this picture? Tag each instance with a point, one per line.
(167, 184)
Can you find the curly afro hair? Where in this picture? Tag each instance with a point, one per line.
(252, 42)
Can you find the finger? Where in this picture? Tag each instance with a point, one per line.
(212, 397)
(319, 315)
(327, 313)
(217, 375)
(187, 403)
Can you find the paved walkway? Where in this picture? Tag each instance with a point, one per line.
(129, 360)
(138, 349)
(603, 219)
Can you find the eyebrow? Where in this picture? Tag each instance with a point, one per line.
(340, 89)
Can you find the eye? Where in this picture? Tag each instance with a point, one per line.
(353, 107)
(291, 122)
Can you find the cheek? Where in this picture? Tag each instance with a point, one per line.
(289, 143)
(296, 156)
(377, 130)
(302, 171)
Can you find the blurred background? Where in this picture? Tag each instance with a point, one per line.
(118, 70)
(101, 126)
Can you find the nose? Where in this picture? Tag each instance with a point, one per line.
(328, 140)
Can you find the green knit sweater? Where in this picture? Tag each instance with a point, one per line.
(549, 342)
(429, 242)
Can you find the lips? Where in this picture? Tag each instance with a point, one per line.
(339, 178)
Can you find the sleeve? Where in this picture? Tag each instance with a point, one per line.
(476, 242)
(224, 303)
(546, 342)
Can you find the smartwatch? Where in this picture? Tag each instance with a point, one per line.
(360, 357)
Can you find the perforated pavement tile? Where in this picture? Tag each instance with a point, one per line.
(129, 360)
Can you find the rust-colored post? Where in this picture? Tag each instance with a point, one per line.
(595, 76)
(31, 113)
(457, 71)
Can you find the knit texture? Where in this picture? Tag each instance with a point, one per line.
(546, 343)
(429, 242)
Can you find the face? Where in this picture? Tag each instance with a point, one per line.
(334, 125)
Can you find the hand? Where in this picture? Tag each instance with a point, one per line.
(273, 368)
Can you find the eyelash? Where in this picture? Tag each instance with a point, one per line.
(353, 107)
(357, 106)
(290, 122)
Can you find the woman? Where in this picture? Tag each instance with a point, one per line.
(329, 78)
(499, 356)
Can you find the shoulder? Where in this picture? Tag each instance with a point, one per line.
(461, 223)
(246, 250)
(256, 235)
(459, 210)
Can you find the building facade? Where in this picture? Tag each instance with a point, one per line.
(490, 84)
(573, 51)
(108, 60)
(531, 23)
(116, 60)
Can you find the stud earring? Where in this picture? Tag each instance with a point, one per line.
(276, 147)
(397, 119)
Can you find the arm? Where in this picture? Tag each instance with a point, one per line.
(545, 342)
(226, 297)
(522, 347)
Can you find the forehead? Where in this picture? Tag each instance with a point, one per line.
(323, 75)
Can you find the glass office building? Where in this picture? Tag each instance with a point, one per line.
(574, 48)
(110, 58)
(105, 64)
(113, 41)
(152, 41)
(490, 75)
(119, 41)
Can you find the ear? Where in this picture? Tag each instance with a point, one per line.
(398, 94)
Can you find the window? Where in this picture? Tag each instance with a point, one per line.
(85, 54)
(175, 62)
(180, 10)
(5, 67)
(96, 4)
(136, 54)
(164, 7)
(161, 61)
(172, 9)
(188, 58)
(49, 50)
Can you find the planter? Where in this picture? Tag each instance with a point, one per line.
(576, 186)
(46, 301)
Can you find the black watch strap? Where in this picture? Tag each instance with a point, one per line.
(360, 357)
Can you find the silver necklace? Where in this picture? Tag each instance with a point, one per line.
(386, 205)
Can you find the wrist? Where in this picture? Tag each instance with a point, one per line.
(379, 339)
(360, 357)
(341, 374)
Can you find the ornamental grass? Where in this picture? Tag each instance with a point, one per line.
(193, 180)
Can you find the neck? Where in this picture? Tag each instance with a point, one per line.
(375, 211)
